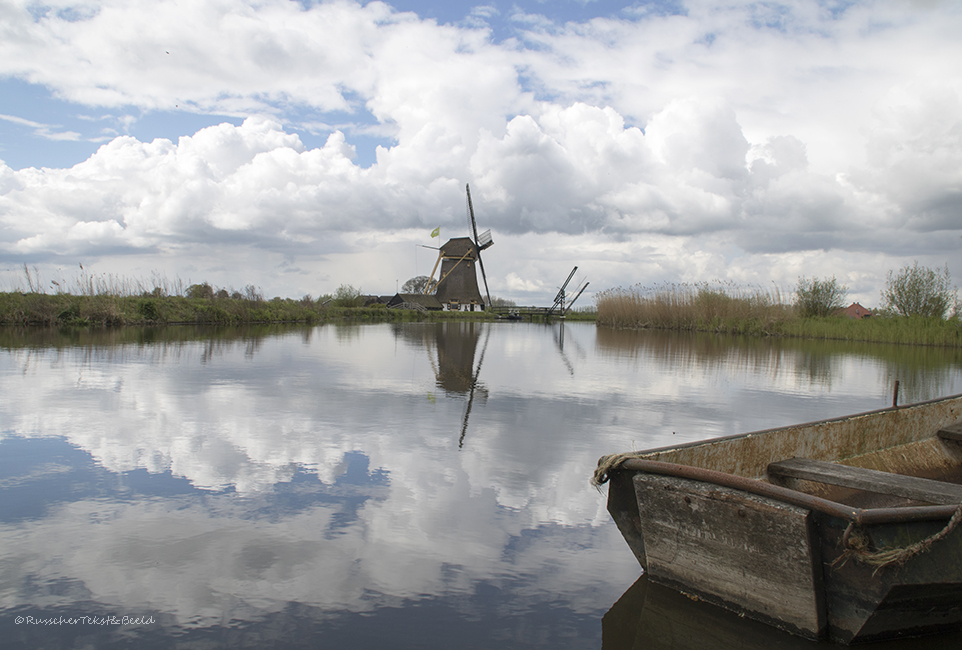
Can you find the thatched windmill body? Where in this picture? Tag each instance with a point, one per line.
(457, 284)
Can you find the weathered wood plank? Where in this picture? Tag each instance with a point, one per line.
(750, 554)
(908, 487)
(623, 506)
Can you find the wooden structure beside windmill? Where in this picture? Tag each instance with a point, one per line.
(457, 283)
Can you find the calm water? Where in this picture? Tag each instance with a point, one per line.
(376, 486)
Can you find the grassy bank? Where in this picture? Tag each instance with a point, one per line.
(910, 330)
(104, 309)
(723, 308)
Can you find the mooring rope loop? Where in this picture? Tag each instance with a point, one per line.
(608, 463)
(856, 544)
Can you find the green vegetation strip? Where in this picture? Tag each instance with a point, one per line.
(103, 309)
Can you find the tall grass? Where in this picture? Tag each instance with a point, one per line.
(703, 306)
(88, 283)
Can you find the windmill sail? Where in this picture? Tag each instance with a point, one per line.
(485, 241)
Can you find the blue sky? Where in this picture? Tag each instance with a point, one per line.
(298, 147)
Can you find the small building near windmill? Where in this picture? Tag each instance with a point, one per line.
(417, 301)
(370, 301)
(856, 311)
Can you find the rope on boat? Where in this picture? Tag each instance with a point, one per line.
(857, 546)
(608, 463)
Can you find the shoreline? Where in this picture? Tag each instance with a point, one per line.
(104, 310)
(68, 311)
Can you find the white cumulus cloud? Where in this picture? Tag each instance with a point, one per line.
(741, 130)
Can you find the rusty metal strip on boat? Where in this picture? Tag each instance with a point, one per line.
(860, 516)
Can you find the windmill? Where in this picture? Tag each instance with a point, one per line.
(457, 284)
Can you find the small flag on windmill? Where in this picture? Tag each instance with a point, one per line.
(436, 232)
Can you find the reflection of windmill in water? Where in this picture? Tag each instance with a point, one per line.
(457, 284)
(455, 369)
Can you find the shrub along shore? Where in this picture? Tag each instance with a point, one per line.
(726, 309)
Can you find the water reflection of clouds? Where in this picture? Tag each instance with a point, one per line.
(250, 423)
(439, 524)
(209, 557)
(268, 438)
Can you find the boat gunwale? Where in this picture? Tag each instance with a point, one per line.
(860, 516)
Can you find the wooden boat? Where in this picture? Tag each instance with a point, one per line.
(844, 529)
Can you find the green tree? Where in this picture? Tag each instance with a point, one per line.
(200, 291)
(417, 284)
(819, 297)
(347, 296)
(919, 291)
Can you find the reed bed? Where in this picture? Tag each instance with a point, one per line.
(727, 308)
(700, 306)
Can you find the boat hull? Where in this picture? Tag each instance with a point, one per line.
(744, 552)
(782, 564)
